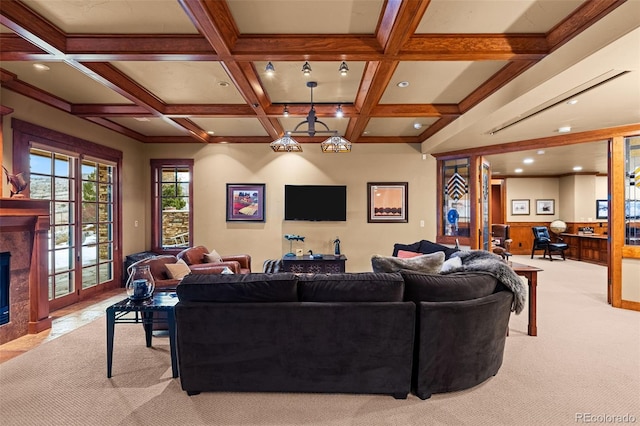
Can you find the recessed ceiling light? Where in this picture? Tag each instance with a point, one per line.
(41, 67)
(141, 118)
(518, 170)
(564, 129)
(223, 83)
(572, 102)
(540, 151)
(495, 173)
(366, 132)
(417, 126)
(403, 84)
(211, 132)
(577, 168)
(527, 160)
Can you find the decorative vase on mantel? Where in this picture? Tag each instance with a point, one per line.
(140, 284)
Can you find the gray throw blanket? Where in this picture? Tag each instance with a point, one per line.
(480, 260)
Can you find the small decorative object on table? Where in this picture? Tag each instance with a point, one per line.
(140, 284)
(336, 243)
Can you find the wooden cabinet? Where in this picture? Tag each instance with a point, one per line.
(589, 248)
(327, 264)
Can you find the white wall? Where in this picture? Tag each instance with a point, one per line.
(533, 189)
(217, 165)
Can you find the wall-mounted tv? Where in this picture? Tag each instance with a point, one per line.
(315, 202)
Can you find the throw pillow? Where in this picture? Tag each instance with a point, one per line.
(452, 264)
(404, 254)
(407, 247)
(212, 257)
(178, 270)
(423, 263)
(427, 246)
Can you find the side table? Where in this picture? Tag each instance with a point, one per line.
(119, 313)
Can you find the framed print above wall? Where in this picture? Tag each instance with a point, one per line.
(387, 202)
(245, 202)
(545, 207)
(519, 207)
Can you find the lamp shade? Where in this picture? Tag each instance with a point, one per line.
(286, 144)
(336, 144)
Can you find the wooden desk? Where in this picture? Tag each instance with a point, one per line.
(531, 274)
(587, 247)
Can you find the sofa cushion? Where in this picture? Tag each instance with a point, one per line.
(177, 270)
(351, 287)
(238, 288)
(404, 254)
(424, 263)
(212, 257)
(453, 264)
(447, 288)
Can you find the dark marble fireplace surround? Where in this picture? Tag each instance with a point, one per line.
(23, 233)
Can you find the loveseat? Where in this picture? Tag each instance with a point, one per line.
(196, 258)
(162, 278)
(378, 333)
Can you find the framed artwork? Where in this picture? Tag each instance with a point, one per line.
(545, 206)
(602, 209)
(245, 202)
(387, 202)
(519, 207)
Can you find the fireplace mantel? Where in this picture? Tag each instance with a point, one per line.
(24, 225)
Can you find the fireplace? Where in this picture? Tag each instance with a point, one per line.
(5, 278)
(24, 225)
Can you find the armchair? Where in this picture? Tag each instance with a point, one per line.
(195, 258)
(501, 240)
(542, 241)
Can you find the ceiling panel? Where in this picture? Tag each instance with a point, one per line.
(494, 16)
(151, 126)
(65, 82)
(591, 157)
(437, 82)
(184, 82)
(306, 16)
(231, 126)
(397, 126)
(289, 85)
(115, 16)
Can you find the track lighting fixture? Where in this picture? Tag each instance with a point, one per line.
(269, 69)
(306, 69)
(286, 111)
(344, 69)
(339, 112)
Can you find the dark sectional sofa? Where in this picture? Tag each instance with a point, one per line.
(376, 333)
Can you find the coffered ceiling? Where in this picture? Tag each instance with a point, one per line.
(479, 72)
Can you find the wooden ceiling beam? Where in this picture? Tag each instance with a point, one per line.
(475, 47)
(582, 18)
(415, 110)
(31, 27)
(399, 21)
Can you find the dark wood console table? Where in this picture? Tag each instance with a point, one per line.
(328, 264)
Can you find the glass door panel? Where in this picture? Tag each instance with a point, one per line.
(52, 178)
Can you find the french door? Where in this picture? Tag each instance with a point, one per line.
(81, 191)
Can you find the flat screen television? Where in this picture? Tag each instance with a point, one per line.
(315, 202)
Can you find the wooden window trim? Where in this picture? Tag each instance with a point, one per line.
(156, 165)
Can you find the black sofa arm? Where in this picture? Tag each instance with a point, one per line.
(459, 344)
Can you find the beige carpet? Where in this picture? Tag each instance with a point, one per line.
(585, 361)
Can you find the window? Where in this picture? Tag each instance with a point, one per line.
(632, 191)
(172, 204)
(80, 180)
